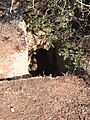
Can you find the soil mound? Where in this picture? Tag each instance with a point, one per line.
(45, 98)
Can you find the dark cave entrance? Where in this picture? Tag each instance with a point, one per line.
(46, 63)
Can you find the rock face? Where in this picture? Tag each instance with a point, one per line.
(13, 48)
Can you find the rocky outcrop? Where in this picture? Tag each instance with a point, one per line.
(13, 47)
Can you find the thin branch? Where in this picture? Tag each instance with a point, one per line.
(11, 6)
(83, 3)
(33, 4)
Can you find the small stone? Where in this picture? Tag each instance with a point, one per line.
(12, 109)
(50, 118)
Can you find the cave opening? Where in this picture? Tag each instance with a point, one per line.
(46, 63)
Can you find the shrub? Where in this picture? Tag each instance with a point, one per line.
(65, 22)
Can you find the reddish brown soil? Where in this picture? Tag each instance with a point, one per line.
(45, 98)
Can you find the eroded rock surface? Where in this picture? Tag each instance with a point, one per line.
(13, 47)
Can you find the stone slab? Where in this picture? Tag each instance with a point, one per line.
(13, 48)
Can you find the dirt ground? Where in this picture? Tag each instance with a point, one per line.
(45, 98)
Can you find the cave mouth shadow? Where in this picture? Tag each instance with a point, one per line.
(47, 63)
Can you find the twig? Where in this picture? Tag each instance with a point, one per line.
(11, 6)
(33, 4)
(83, 3)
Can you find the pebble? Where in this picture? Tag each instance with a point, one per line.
(12, 109)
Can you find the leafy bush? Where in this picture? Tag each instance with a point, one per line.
(65, 22)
